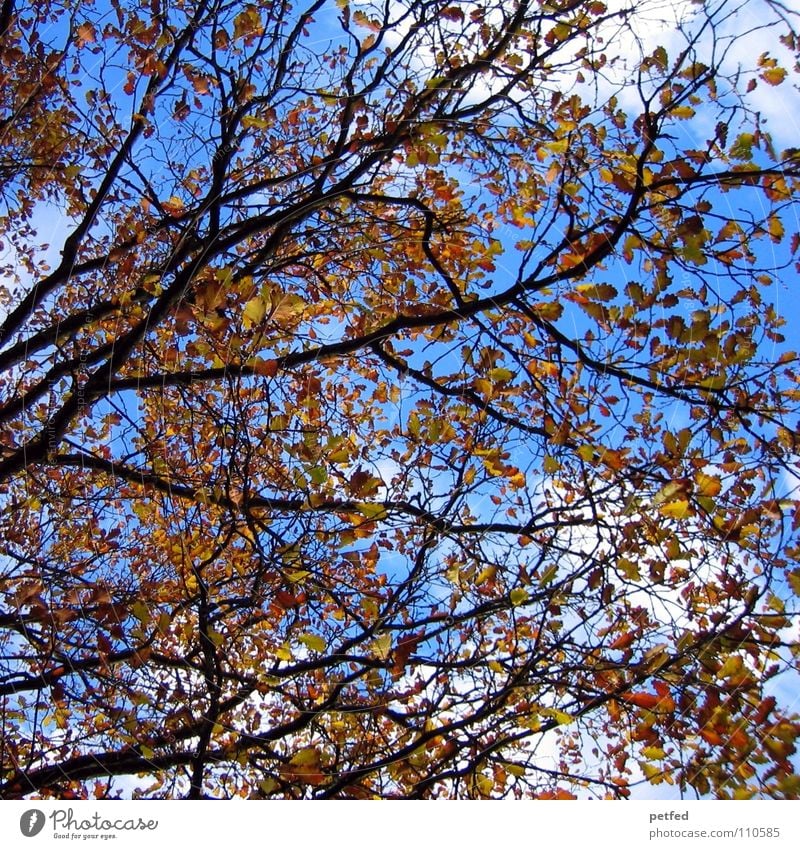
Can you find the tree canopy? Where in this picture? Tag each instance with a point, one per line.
(396, 399)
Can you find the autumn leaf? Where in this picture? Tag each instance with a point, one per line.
(650, 701)
(304, 767)
(86, 33)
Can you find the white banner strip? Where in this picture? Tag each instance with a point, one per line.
(365, 825)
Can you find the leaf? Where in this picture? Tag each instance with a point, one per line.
(548, 575)
(707, 485)
(313, 642)
(711, 736)
(559, 794)
(773, 76)
(551, 465)
(500, 375)
(623, 641)
(649, 701)
(141, 611)
(560, 716)
(86, 33)
(382, 646)
(266, 368)
(247, 24)
(256, 121)
(549, 311)
(597, 291)
(174, 207)
(254, 311)
(742, 148)
(678, 509)
(304, 767)
(652, 772)
(306, 757)
(518, 596)
(775, 228)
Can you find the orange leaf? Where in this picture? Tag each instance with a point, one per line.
(557, 794)
(266, 368)
(623, 641)
(86, 34)
(711, 736)
(642, 700)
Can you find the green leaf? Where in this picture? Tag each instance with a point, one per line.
(742, 148)
(141, 611)
(548, 575)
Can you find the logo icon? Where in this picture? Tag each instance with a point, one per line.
(31, 822)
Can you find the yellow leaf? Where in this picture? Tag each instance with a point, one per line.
(268, 785)
(247, 24)
(313, 642)
(775, 226)
(558, 147)
(500, 375)
(716, 381)
(774, 76)
(652, 772)
(173, 206)
(518, 596)
(560, 716)
(485, 784)
(255, 121)
(707, 485)
(254, 311)
(486, 574)
(295, 576)
(371, 511)
(382, 646)
(306, 757)
(675, 509)
(654, 753)
(549, 311)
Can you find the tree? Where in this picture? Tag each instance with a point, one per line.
(404, 409)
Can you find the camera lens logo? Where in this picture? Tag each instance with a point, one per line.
(31, 822)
